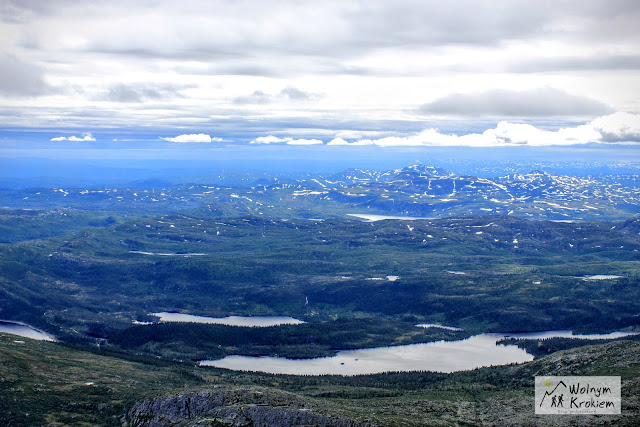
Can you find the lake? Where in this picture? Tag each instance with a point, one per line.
(166, 254)
(568, 334)
(438, 326)
(373, 218)
(251, 321)
(441, 356)
(24, 330)
(602, 277)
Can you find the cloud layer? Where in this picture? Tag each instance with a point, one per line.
(288, 141)
(329, 65)
(613, 128)
(541, 102)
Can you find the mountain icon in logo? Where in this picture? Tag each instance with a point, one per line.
(551, 393)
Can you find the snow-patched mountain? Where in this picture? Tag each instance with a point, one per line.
(420, 190)
(355, 175)
(416, 190)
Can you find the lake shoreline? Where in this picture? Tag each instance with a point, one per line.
(475, 352)
(49, 337)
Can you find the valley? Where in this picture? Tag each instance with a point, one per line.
(353, 261)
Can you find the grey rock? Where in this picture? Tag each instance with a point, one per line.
(234, 407)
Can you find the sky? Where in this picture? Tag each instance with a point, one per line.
(140, 76)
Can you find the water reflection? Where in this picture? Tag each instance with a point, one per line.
(24, 330)
(442, 356)
(253, 321)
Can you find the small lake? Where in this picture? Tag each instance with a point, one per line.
(373, 218)
(24, 330)
(601, 277)
(166, 254)
(441, 356)
(438, 326)
(251, 321)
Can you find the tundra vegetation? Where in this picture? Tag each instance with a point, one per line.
(521, 253)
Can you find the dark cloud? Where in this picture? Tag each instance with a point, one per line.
(138, 93)
(295, 94)
(289, 93)
(123, 93)
(257, 97)
(631, 135)
(531, 103)
(569, 63)
(357, 29)
(20, 11)
(324, 37)
(618, 127)
(179, 52)
(216, 68)
(18, 78)
(246, 70)
(490, 22)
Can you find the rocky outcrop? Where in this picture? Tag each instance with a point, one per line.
(235, 407)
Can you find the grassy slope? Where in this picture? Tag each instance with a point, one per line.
(22, 225)
(48, 381)
(43, 382)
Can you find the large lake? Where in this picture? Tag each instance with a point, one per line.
(252, 321)
(441, 356)
(24, 330)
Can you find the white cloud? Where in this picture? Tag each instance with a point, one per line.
(341, 141)
(269, 140)
(191, 137)
(304, 142)
(85, 137)
(289, 141)
(358, 134)
(617, 127)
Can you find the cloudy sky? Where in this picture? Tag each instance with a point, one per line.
(140, 73)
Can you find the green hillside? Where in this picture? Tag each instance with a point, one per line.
(44, 383)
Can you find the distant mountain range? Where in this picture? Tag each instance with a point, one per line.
(419, 190)
(416, 190)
